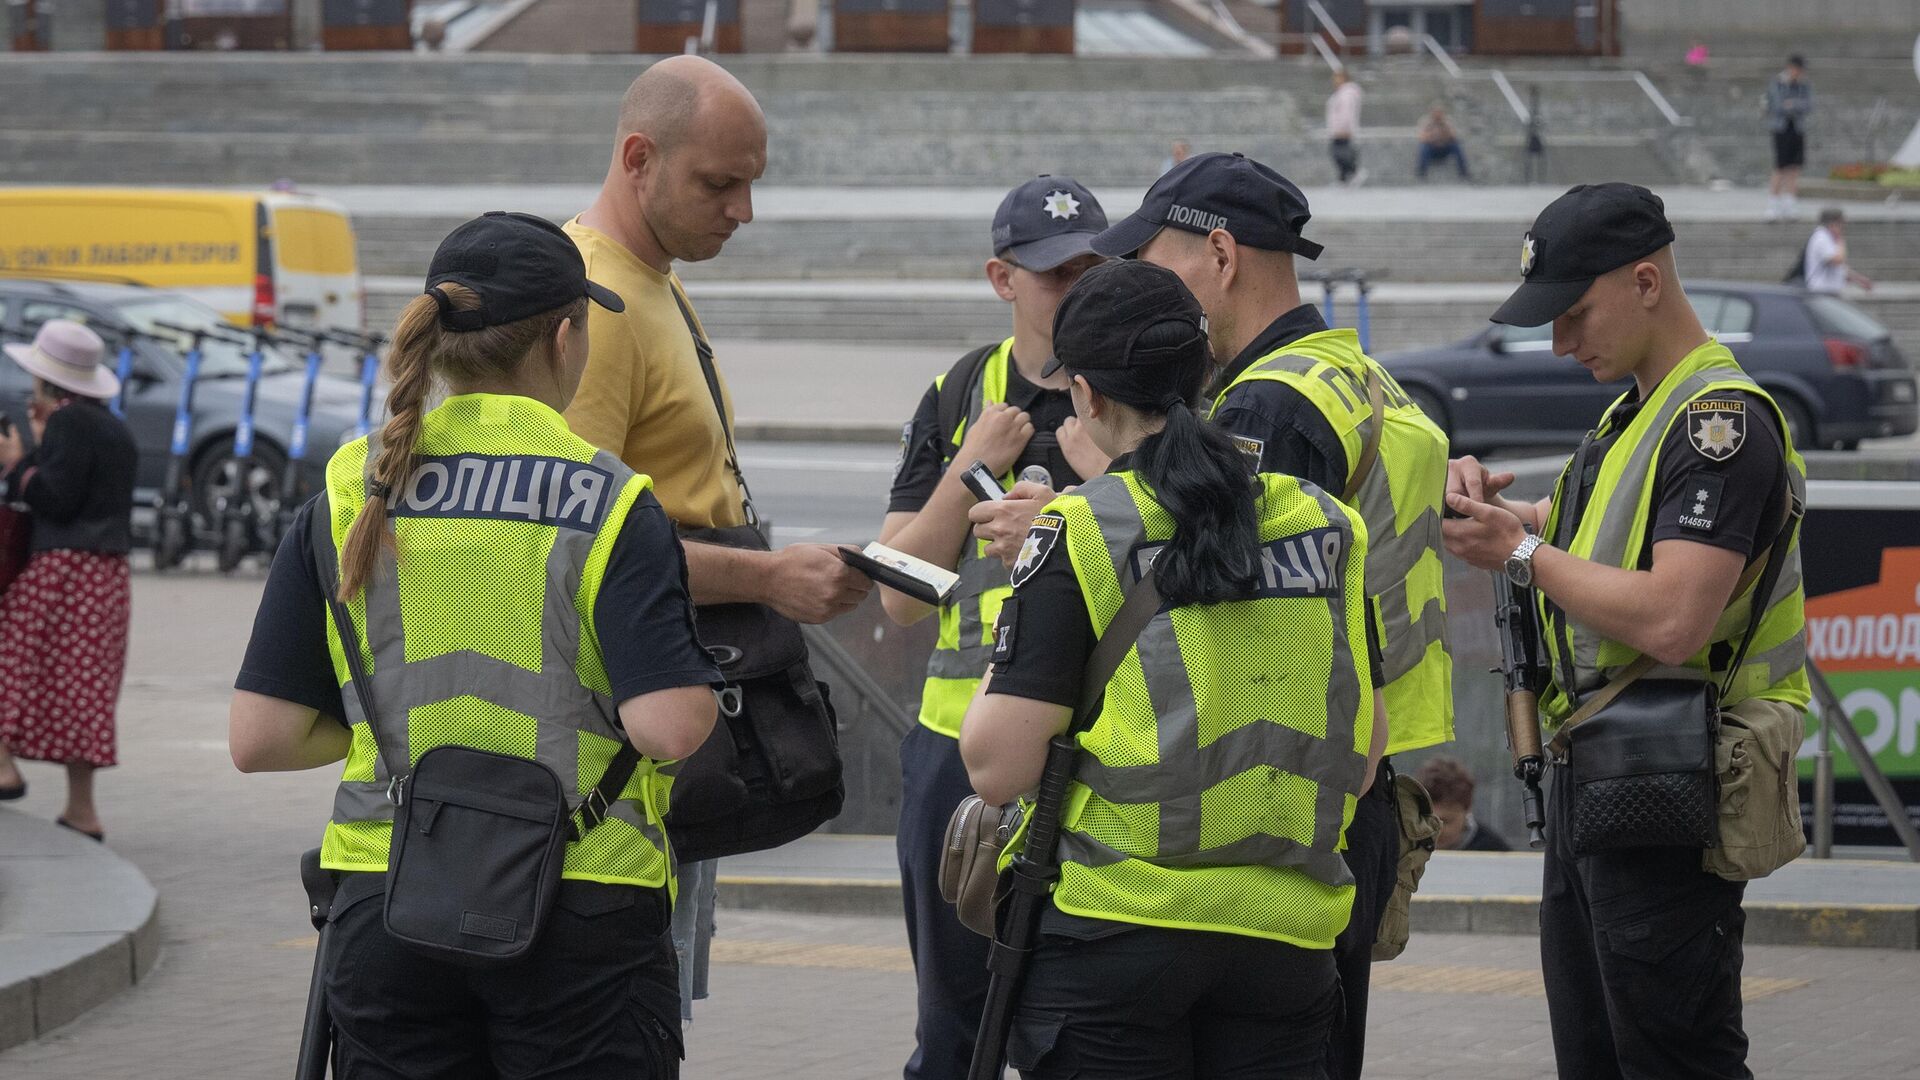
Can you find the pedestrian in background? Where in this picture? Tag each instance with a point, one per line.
(1181, 151)
(1343, 126)
(1789, 101)
(1824, 262)
(1449, 784)
(63, 621)
(1439, 142)
(544, 617)
(1191, 931)
(1004, 412)
(690, 143)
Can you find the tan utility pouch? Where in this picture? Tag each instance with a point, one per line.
(970, 860)
(1760, 829)
(1413, 812)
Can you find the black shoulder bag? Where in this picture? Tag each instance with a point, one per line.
(770, 772)
(478, 837)
(1641, 751)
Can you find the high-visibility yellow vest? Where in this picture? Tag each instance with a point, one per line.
(1401, 499)
(965, 645)
(482, 632)
(1613, 532)
(1214, 789)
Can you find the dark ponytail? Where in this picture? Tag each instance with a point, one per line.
(1200, 478)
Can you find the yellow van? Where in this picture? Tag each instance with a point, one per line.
(256, 257)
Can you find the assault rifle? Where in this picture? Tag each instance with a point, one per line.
(1523, 667)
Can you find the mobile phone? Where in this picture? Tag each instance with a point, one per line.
(981, 481)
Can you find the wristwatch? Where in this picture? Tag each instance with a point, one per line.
(1520, 564)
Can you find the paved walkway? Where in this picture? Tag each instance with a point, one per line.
(795, 997)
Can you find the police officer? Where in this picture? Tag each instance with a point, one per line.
(1191, 932)
(1304, 400)
(543, 615)
(1683, 483)
(993, 406)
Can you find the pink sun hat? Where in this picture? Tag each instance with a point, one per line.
(69, 356)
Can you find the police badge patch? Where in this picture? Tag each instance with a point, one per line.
(906, 449)
(1254, 449)
(1040, 542)
(1717, 428)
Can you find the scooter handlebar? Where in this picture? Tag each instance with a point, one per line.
(197, 333)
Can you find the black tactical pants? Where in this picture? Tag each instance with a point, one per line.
(1373, 857)
(599, 997)
(1115, 1001)
(1641, 950)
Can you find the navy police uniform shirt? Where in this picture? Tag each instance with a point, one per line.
(642, 617)
(1294, 436)
(1045, 635)
(923, 448)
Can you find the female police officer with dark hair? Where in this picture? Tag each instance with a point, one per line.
(516, 591)
(1201, 883)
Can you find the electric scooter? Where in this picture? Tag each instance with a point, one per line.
(369, 344)
(123, 367)
(239, 523)
(173, 507)
(291, 488)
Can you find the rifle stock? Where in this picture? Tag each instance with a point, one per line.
(1031, 876)
(1523, 669)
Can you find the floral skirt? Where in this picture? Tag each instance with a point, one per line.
(63, 652)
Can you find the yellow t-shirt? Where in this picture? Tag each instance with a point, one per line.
(644, 396)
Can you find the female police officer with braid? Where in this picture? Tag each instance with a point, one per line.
(514, 591)
(1201, 885)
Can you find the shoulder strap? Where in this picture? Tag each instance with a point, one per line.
(1142, 602)
(592, 809)
(1759, 575)
(704, 349)
(955, 389)
(1376, 399)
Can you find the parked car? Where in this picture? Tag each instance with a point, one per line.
(1833, 368)
(153, 391)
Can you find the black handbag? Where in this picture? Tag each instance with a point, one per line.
(1640, 752)
(479, 838)
(770, 772)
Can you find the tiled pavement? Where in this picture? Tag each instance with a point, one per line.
(794, 996)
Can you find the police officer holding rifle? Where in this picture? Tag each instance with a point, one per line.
(1665, 574)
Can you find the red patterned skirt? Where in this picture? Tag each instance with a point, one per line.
(63, 652)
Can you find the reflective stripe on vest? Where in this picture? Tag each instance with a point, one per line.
(1214, 789)
(1401, 500)
(1613, 532)
(965, 645)
(476, 637)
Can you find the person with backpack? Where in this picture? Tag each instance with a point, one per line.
(993, 406)
(487, 618)
(1190, 932)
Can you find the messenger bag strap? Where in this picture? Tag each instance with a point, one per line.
(1139, 608)
(1370, 452)
(704, 349)
(1765, 566)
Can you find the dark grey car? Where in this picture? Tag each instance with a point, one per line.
(152, 394)
(1833, 368)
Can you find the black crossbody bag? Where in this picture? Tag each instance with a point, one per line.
(479, 838)
(770, 773)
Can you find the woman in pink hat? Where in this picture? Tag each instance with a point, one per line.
(63, 621)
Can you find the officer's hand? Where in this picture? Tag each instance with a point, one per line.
(1483, 534)
(810, 584)
(996, 438)
(1466, 476)
(1086, 458)
(1003, 523)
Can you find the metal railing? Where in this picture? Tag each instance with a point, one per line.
(1432, 45)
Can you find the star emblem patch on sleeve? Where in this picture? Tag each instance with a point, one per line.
(1716, 428)
(1042, 538)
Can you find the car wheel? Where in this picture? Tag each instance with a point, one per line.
(1799, 422)
(216, 476)
(1430, 404)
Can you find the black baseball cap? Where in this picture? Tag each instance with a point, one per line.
(1098, 325)
(1258, 206)
(520, 264)
(1046, 221)
(1591, 230)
